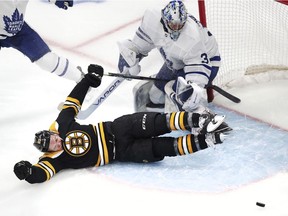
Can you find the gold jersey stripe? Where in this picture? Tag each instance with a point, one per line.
(104, 144)
(74, 100)
(51, 154)
(103, 157)
(98, 161)
(47, 163)
(47, 173)
(70, 106)
(54, 127)
(72, 103)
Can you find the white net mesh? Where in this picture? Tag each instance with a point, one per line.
(250, 33)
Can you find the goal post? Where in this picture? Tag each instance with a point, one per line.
(283, 1)
(202, 12)
(251, 34)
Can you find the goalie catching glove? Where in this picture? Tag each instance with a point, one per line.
(189, 96)
(129, 58)
(94, 75)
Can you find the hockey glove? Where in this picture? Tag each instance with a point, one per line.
(64, 4)
(23, 169)
(94, 75)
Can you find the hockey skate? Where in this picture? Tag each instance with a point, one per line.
(209, 140)
(206, 122)
(209, 122)
(215, 138)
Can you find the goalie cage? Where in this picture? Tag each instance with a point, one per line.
(252, 37)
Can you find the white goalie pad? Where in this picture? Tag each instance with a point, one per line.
(141, 95)
(141, 99)
(170, 104)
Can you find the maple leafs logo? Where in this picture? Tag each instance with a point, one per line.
(13, 25)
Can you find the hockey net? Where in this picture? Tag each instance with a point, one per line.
(252, 37)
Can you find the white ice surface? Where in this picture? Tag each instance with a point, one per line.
(250, 166)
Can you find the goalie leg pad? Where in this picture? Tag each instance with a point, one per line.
(141, 95)
(156, 95)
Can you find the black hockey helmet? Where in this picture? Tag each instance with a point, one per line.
(42, 140)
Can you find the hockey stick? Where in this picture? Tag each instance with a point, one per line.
(225, 94)
(216, 88)
(128, 76)
(83, 114)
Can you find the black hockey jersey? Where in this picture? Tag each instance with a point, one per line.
(83, 145)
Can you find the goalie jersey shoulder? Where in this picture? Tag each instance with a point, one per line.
(151, 24)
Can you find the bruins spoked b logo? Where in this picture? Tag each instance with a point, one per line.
(77, 143)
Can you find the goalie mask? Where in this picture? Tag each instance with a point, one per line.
(42, 140)
(174, 16)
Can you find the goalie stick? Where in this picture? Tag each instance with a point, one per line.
(216, 88)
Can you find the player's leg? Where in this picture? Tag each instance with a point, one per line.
(34, 47)
(155, 149)
(151, 124)
(188, 144)
(59, 66)
(195, 122)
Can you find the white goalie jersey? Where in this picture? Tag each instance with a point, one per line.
(195, 51)
(12, 14)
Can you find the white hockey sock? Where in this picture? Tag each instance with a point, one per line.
(59, 66)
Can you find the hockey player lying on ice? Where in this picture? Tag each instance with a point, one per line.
(133, 138)
(189, 51)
